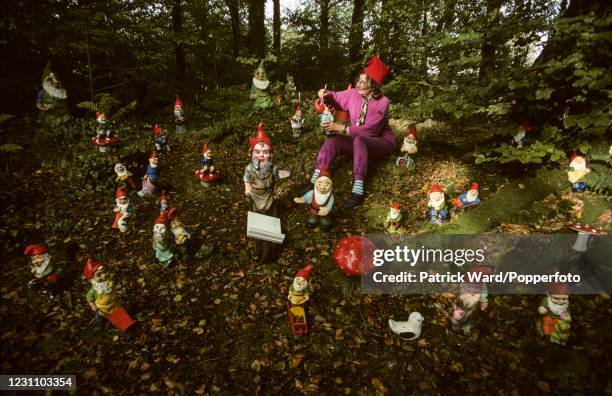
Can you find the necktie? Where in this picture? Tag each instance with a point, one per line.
(362, 112)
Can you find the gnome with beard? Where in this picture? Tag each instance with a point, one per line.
(102, 297)
(51, 99)
(149, 182)
(472, 297)
(577, 172)
(468, 198)
(124, 177)
(179, 114)
(297, 122)
(437, 212)
(207, 173)
(394, 217)
(409, 147)
(162, 240)
(181, 235)
(105, 137)
(260, 89)
(45, 272)
(300, 289)
(160, 138)
(122, 210)
(261, 176)
(320, 201)
(555, 321)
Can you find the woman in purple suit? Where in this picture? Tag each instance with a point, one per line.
(368, 136)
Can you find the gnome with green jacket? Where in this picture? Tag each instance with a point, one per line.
(260, 89)
(51, 99)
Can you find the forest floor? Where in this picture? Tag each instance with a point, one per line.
(218, 324)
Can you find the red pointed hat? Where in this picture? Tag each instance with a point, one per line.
(162, 219)
(574, 155)
(298, 108)
(474, 186)
(163, 196)
(376, 69)
(304, 272)
(178, 102)
(396, 205)
(157, 129)
(91, 267)
(474, 287)
(319, 106)
(120, 193)
(153, 155)
(35, 250)
(205, 148)
(436, 187)
(558, 288)
(261, 136)
(170, 214)
(412, 132)
(325, 172)
(99, 114)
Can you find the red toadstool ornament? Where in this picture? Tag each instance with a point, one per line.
(354, 255)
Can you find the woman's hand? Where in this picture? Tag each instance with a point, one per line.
(321, 93)
(333, 127)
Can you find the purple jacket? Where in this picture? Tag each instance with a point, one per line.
(377, 115)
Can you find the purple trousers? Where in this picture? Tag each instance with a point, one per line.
(361, 148)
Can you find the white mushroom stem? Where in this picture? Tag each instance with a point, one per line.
(581, 242)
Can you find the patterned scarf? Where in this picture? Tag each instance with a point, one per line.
(362, 111)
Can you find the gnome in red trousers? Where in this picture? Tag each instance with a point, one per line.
(46, 272)
(122, 210)
(321, 201)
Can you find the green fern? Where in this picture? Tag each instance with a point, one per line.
(9, 148)
(91, 106)
(5, 117)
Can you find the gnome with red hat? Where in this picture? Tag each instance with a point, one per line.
(368, 136)
(555, 321)
(468, 198)
(162, 240)
(207, 173)
(150, 180)
(102, 297)
(122, 210)
(300, 289)
(181, 235)
(472, 295)
(320, 201)
(409, 147)
(160, 138)
(179, 114)
(261, 175)
(297, 121)
(437, 213)
(394, 216)
(105, 137)
(522, 136)
(43, 269)
(163, 202)
(577, 172)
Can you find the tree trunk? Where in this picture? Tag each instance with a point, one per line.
(447, 73)
(424, 39)
(179, 50)
(324, 25)
(356, 34)
(232, 5)
(257, 28)
(488, 47)
(276, 28)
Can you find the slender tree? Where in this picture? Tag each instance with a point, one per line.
(257, 28)
(356, 34)
(232, 5)
(276, 28)
(489, 41)
(179, 50)
(324, 6)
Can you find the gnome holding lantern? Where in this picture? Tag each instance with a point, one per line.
(320, 201)
(297, 122)
(179, 114)
(555, 321)
(181, 235)
(124, 177)
(45, 272)
(394, 216)
(160, 138)
(299, 293)
(471, 298)
(122, 210)
(105, 137)
(437, 214)
(409, 147)
(260, 89)
(102, 297)
(162, 240)
(149, 181)
(468, 198)
(207, 173)
(577, 172)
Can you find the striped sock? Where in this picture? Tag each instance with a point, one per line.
(313, 179)
(358, 187)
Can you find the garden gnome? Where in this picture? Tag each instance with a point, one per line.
(162, 240)
(122, 210)
(149, 182)
(207, 172)
(472, 297)
(555, 321)
(290, 90)
(522, 136)
(326, 116)
(299, 291)
(260, 89)
(51, 99)
(468, 198)
(181, 235)
(261, 175)
(160, 138)
(179, 114)
(124, 177)
(44, 271)
(163, 202)
(394, 216)
(297, 122)
(437, 212)
(320, 201)
(102, 297)
(105, 137)
(409, 147)
(577, 172)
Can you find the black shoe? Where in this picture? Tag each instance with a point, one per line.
(305, 189)
(354, 200)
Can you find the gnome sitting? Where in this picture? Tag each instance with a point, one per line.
(124, 177)
(105, 137)
(468, 198)
(181, 235)
(299, 291)
(160, 137)
(577, 172)
(555, 322)
(321, 201)
(297, 122)
(122, 210)
(102, 297)
(394, 216)
(207, 172)
(51, 99)
(409, 147)
(472, 297)
(149, 182)
(46, 272)
(162, 240)
(437, 213)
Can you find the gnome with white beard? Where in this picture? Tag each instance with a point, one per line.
(51, 99)
(320, 201)
(468, 198)
(179, 114)
(409, 147)
(122, 210)
(260, 89)
(555, 321)
(437, 212)
(45, 272)
(181, 235)
(577, 172)
(472, 297)
(394, 217)
(102, 297)
(124, 177)
(300, 289)
(297, 122)
(162, 240)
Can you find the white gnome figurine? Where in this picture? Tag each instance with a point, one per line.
(409, 147)
(297, 122)
(578, 170)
